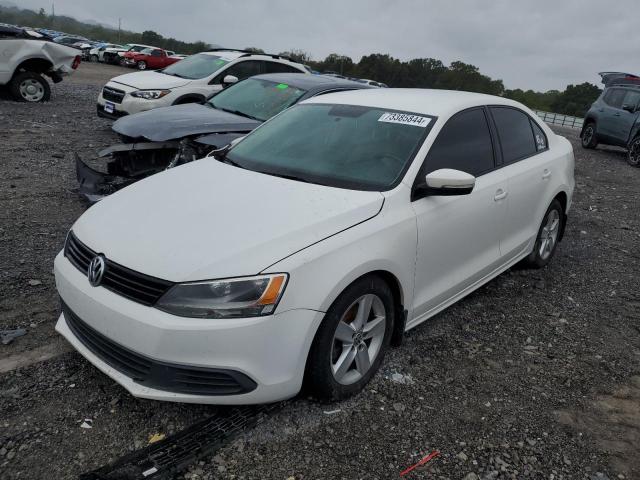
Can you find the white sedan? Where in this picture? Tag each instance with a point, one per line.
(299, 255)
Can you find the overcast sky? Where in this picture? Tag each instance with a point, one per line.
(539, 44)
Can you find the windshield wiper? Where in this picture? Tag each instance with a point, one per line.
(288, 177)
(242, 114)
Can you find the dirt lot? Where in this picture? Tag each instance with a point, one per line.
(536, 375)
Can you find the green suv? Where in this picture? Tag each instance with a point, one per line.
(613, 119)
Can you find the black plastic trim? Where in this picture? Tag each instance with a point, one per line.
(169, 377)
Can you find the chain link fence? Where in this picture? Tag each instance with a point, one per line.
(560, 119)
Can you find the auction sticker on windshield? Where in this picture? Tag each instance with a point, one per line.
(405, 119)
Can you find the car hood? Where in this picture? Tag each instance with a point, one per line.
(207, 220)
(150, 80)
(168, 123)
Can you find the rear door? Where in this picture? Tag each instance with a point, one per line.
(529, 167)
(458, 236)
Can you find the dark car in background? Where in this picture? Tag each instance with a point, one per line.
(614, 118)
(169, 136)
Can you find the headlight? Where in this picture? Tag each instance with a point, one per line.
(231, 298)
(150, 94)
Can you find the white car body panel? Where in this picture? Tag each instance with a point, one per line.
(15, 51)
(209, 220)
(314, 213)
(179, 87)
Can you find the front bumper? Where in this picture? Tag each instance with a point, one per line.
(271, 350)
(130, 105)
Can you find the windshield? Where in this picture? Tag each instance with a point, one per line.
(137, 48)
(258, 99)
(196, 66)
(347, 146)
(147, 51)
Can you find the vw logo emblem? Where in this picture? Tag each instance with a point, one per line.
(96, 270)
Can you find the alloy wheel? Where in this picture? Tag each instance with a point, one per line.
(358, 339)
(31, 90)
(549, 234)
(587, 135)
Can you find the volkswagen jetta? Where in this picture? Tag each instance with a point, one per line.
(299, 255)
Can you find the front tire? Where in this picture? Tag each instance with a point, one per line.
(548, 236)
(633, 152)
(30, 87)
(142, 65)
(589, 138)
(352, 340)
(94, 58)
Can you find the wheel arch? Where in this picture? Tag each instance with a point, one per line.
(563, 198)
(189, 98)
(35, 64)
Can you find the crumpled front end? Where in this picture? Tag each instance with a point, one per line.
(129, 162)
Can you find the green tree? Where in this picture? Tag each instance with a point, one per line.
(576, 99)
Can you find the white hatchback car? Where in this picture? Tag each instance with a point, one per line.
(193, 79)
(306, 249)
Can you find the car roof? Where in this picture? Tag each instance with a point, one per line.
(309, 82)
(440, 103)
(235, 54)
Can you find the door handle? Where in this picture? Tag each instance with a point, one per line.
(546, 174)
(500, 195)
(617, 114)
(601, 109)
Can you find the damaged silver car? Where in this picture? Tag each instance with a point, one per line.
(166, 137)
(25, 56)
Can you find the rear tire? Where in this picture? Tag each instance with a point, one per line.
(352, 340)
(633, 152)
(548, 236)
(30, 87)
(588, 137)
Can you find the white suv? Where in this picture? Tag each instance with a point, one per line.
(191, 80)
(307, 248)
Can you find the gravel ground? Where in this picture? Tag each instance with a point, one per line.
(535, 375)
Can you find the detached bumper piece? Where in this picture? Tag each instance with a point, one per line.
(165, 459)
(155, 374)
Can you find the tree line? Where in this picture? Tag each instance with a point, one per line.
(416, 73)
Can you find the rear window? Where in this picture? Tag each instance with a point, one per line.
(515, 133)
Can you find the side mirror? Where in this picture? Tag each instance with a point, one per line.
(229, 80)
(445, 182)
(629, 108)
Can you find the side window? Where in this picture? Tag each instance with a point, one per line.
(614, 97)
(242, 70)
(156, 53)
(275, 67)
(464, 143)
(539, 136)
(515, 133)
(631, 98)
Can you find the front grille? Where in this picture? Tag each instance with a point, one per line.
(153, 373)
(113, 94)
(135, 286)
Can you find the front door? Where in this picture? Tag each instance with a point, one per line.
(458, 236)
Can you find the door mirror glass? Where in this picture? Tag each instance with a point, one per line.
(229, 80)
(447, 182)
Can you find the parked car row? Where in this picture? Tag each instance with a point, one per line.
(322, 219)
